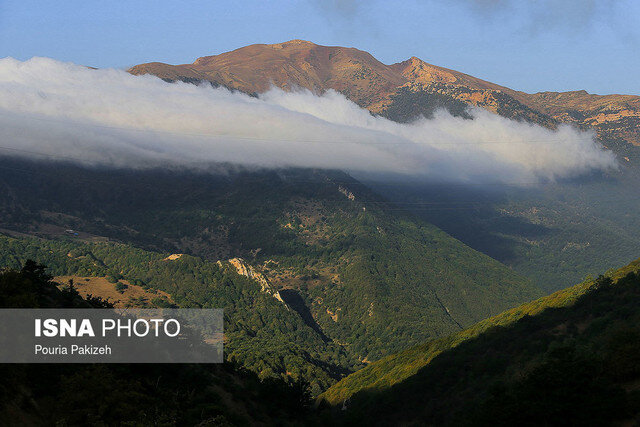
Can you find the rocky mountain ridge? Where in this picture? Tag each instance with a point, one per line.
(377, 86)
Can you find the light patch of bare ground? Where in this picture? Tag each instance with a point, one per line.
(132, 296)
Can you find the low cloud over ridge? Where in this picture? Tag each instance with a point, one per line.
(109, 117)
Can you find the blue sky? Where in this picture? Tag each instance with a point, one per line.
(527, 45)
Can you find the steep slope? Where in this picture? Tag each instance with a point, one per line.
(579, 345)
(400, 91)
(613, 117)
(426, 83)
(374, 280)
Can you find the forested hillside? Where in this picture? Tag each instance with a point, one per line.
(372, 279)
(94, 394)
(261, 334)
(570, 358)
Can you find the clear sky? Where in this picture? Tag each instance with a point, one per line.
(530, 45)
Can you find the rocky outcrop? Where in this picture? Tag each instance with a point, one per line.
(247, 270)
(348, 194)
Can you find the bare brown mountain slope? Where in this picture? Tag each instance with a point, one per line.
(296, 63)
(377, 87)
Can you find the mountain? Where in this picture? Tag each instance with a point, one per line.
(554, 233)
(326, 280)
(400, 91)
(568, 358)
(317, 274)
(297, 63)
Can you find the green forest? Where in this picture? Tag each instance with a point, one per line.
(571, 358)
(120, 394)
(375, 279)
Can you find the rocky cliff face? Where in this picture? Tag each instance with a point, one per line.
(379, 87)
(247, 270)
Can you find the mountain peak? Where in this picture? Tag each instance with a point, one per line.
(414, 60)
(373, 85)
(415, 69)
(295, 42)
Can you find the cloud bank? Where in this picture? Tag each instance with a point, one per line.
(109, 117)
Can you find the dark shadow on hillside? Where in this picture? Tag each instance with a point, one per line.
(565, 366)
(295, 301)
(471, 214)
